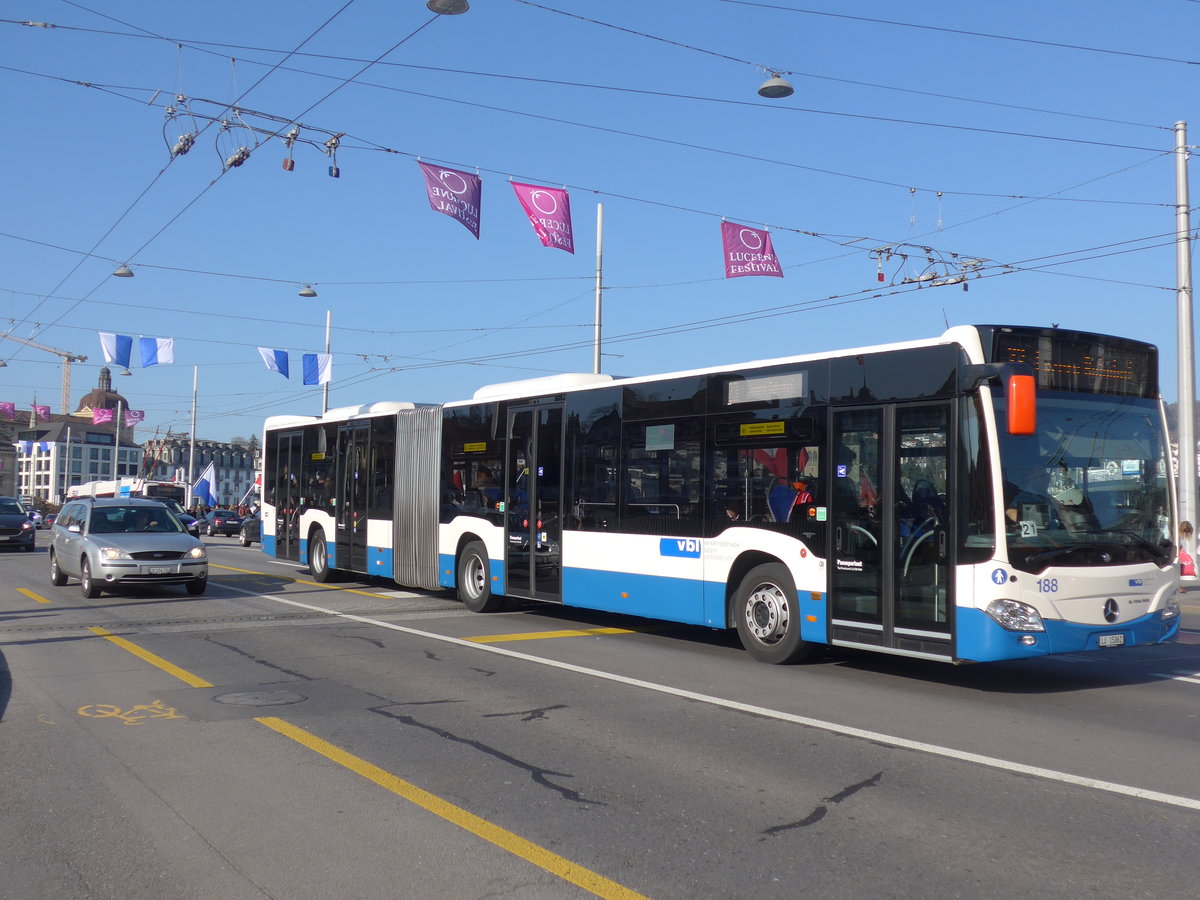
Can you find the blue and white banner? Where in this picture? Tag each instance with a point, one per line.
(318, 368)
(117, 348)
(275, 360)
(202, 490)
(156, 351)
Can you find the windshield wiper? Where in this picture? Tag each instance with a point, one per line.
(1160, 555)
(1047, 555)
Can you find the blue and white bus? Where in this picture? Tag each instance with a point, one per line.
(995, 493)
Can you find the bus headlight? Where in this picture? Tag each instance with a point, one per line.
(1170, 609)
(109, 553)
(197, 553)
(1015, 615)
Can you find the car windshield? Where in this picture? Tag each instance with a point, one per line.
(133, 519)
(11, 508)
(1090, 488)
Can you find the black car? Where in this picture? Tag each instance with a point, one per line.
(251, 530)
(16, 528)
(190, 522)
(221, 521)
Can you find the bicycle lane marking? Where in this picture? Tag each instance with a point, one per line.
(991, 762)
(506, 840)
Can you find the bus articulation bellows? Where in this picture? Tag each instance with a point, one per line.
(997, 493)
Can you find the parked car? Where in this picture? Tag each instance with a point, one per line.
(251, 530)
(221, 521)
(16, 528)
(111, 543)
(48, 520)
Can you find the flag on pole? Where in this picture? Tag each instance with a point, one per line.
(117, 348)
(549, 211)
(318, 368)
(8, 410)
(100, 416)
(134, 416)
(42, 412)
(748, 251)
(275, 360)
(202, 490)
(157, 351)
(454, 193)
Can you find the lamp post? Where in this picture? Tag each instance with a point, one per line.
(1186, 430)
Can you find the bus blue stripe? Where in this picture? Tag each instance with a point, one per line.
(981, 639)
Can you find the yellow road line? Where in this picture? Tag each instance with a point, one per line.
(539, 635)
(501, 837)
(182, 674)
(32, 596)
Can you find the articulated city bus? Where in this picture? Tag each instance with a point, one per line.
(995, 493)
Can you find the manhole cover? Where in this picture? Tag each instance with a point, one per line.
(260, 698)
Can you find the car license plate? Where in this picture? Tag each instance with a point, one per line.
(166, 570)
(1112, 640)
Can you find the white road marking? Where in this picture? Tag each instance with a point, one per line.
(992, 762)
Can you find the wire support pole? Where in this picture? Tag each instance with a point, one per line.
(1186, 365)
(599, 287)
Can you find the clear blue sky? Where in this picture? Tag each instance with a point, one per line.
(649, 108)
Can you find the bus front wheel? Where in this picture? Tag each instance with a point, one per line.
(475, 580)
(767, 613)
(318, 560)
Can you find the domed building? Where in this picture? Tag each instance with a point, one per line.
(102, 397)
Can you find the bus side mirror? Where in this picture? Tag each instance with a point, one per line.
(1021, 392)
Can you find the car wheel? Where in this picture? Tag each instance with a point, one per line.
(197, 587)
(87, 584)
(57, 576)
(243, 540)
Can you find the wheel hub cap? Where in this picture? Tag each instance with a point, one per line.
(767, 614)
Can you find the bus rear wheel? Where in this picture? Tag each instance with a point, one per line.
(318, 560)
(767, 612)
(475, 580)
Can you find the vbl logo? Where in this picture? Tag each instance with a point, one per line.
(685, 547)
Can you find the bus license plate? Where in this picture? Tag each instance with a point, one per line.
(166, 570)
(1112, 640)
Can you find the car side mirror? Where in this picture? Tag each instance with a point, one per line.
(74, 529)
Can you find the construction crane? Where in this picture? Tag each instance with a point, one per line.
(67, 359)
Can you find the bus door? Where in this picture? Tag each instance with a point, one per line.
(891, 528)
(284, 493)
(352, 481)
(533, 503)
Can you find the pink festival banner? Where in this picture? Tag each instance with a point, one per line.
(134, 416)
(8, 410)
(455, 194)
(549, 211)
(42, 412)
(100, 416)
(748, 251)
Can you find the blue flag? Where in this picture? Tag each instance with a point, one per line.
(117, 348)
(318, 368)
(202, 490)
(275, 360)
(157, 350)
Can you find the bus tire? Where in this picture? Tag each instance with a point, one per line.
(318, 560)
(767, 612)
(475, 580)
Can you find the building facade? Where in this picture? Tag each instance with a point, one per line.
(234, 466)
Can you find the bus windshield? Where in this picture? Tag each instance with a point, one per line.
(1090, 487)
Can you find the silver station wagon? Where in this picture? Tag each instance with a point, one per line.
(113, 543)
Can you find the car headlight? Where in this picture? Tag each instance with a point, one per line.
(197, 553)
(1015, 615)
(109, 553)
(1170, 609)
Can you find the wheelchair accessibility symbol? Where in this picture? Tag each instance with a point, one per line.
(999, 576)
